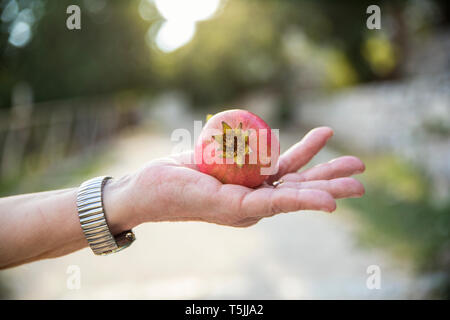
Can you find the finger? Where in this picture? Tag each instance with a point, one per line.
(338, 188)
(266, 202)
(302, 152)
(336, 168)
(245, 223)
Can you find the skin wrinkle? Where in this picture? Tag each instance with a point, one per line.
(43, 221)
(274, 208)
(124, 183)
(241, 201)
(182, 195)
(19, 238)
(325, 167)
(160, 183)
(134, 202)
(330, 166)
(330, 170)
(177, 196)
(197, 184)
(47, 247)
(51, 253)
(301, 205)
(247, 222)
(223, 208)
(338, 188)
(325, 197)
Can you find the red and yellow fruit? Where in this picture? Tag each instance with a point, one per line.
(237, 147)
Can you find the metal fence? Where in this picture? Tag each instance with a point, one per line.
(36, 136)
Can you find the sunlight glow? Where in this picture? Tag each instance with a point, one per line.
(174, 34)
(20, 34)
(192, 10)
(181, 16)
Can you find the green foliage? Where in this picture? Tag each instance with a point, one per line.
(400, 213)
(230, 54)
(102, 57)
(242, 48)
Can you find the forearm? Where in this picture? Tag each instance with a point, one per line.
(46, 225)
(38, 225)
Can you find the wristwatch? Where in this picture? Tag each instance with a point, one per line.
(93, 220)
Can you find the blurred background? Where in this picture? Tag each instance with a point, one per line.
(137, 70)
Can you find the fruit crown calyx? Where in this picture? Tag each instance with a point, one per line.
(234, 143)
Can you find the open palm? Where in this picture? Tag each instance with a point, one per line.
(172, 189)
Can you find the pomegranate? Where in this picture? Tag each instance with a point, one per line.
(237, 147)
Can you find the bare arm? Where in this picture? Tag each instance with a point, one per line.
(46, 225)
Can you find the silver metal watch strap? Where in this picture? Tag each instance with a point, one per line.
(93, 220)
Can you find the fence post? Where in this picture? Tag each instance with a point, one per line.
(18, 132)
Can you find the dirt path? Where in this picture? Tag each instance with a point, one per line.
(292, 256)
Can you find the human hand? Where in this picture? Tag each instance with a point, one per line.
(172, 189)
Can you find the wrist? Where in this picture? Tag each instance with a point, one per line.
(117, 205)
